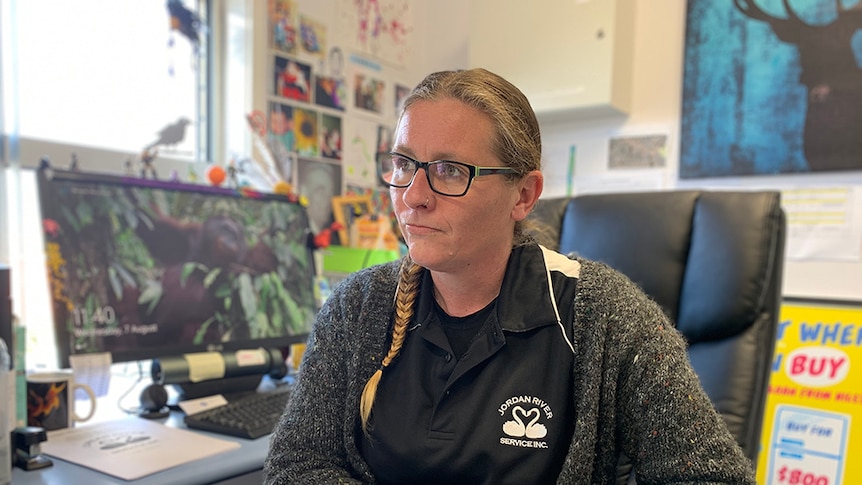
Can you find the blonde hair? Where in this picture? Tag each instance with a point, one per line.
(405, 296)
(517, 143)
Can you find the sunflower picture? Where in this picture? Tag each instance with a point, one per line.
(305, 124)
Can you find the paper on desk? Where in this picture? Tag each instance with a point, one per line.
(131, 448)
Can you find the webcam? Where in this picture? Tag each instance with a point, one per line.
(154, 400)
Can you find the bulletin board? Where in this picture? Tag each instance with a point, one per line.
(812, 428)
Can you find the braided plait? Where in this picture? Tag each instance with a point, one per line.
(405, 296)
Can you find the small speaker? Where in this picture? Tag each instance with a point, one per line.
(154, 400)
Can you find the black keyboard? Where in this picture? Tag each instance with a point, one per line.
(250, 416)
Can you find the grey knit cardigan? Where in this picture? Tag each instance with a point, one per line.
(635, 393)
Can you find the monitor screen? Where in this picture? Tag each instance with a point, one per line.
(147, 268)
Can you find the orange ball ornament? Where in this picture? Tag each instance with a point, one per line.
(216, 175)
(282, 188)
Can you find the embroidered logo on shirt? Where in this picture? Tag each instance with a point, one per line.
(523, 428)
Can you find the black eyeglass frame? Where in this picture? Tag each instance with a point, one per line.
(474, 171)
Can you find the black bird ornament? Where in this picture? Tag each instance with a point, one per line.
(171, 135)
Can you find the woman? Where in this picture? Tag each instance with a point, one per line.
(483, 357)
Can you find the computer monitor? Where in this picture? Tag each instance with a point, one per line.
(146, 268)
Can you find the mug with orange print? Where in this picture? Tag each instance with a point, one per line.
(51, 398)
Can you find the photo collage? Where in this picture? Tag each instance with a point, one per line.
(329, 111)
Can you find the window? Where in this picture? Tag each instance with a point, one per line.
(100, 79)
(108, 74)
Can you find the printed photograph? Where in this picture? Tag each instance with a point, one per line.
(330, 136)
(330, 92)
(292, 79)
(368, 93)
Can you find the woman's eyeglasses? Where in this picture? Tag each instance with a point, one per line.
(445, 177)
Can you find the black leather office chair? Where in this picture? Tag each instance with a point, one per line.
(713, 260)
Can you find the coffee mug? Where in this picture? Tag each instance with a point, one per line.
(51, 399)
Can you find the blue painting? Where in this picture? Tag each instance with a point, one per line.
(771, 87)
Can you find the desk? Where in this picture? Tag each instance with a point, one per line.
(237, 466)
(233, 467)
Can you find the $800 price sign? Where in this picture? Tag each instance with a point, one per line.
(795, 476)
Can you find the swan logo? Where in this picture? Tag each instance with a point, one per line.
(524, 429)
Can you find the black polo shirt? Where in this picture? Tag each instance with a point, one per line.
(500, 414)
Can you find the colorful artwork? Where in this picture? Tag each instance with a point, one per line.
(313, 36)
(292, 79)
(771, 87)
(282, 22)
(380, 28)
(380, 198)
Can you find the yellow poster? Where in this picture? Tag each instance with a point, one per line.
(812, 428)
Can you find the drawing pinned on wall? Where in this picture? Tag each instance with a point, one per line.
(380, 28)
(330, 136)
(312, 35)
(637, 152)
(282, 25)
(359, 155)
(291, 79)
(335, 62)
(305, 127)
